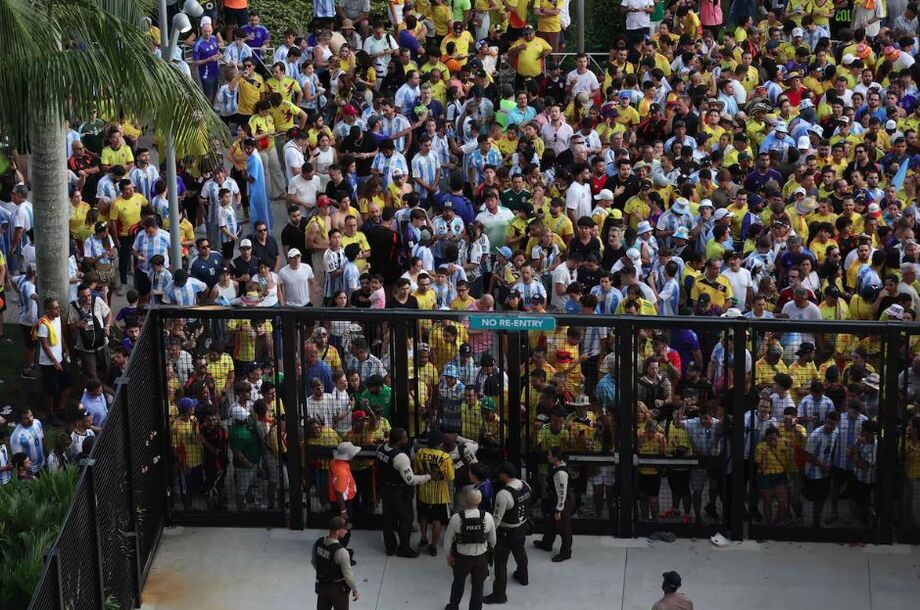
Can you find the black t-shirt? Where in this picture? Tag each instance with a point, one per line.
(269, 252)
(631, 187)
(360, 300)
(589, 279)
(243, 267)
(593, 245)
(295, 237)
(393, 303)
(366, 145)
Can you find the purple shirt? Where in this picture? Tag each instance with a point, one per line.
(256, 36)
(205, 49)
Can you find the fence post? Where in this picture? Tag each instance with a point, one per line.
(399, 397)
(162, 398)
(513, 442)
(625, 378)
(290, 348)
(132, 501)
(739, 391)
(89, 465)
(55, 563)
(886, 468)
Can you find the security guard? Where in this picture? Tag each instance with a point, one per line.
(393, 470)
(512, 512)
(562, 503)
(334, 576)
(470, 537)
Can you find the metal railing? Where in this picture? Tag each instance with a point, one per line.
(109, 536)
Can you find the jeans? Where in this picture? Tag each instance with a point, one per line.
(125, 252)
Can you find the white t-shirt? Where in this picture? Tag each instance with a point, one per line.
(565, 276)
(740, 280)
(305, 190)
(296, 284)
(57, 349)
(586, 82)
(578, 198)
(635, 21)
(809, 312)
(293, 160)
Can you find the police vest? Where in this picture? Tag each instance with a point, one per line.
(385, 470)
(552, 483)
(327, 569)
(520, 511)
(472, 529)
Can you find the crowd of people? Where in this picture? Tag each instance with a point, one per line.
(449, 158)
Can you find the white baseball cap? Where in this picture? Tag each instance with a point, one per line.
(604, 195)
(293, 252)
(848, 58)
(246, 243)
(781, 126)
(722, 213)
(891, 125)
(804, 143)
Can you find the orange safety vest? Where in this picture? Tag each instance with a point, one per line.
(341, 480)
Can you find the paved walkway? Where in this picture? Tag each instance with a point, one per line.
(223, 569)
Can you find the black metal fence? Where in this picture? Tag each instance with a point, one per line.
(626, 404)
(110, 533)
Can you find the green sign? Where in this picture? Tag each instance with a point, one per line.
(512, 322)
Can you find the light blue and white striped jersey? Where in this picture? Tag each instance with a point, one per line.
(97, 406)
(425, 168)
(159, 280)
(107, 190)
(29, 441)
(705, 441)
(849, 433)
(23, 217)
(425, 255)
(443, 295)
(144, 179)
(5, 460)
(333, 260)
(529, 290)
(592, 342)
(28, 307)
(72, 136)
(294, 70)
(350, 281)
(184, 296)
(395, 125)
(149, 246)
(237, 53)
(669, 298)
(210, 191)
(816, 409)
(309, 85)
(227, 101)
(445, 228)
(478, 161)
(606, 301)
(385, 165)
(227, 218)
(823, 446)
(441, 148)
(281, 53)
(161, 207)
(867, 453)
(324, 9)
(96, 249)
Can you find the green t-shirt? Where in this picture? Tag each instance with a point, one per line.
(377, 402)
(244, 439)
(460, 7)
(515, 201)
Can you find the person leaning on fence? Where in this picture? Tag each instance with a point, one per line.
(820, 449)
(470, 539)
(334, 575)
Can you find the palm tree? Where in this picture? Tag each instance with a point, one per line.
(63, 58)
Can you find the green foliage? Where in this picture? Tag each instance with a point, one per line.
(31, 514)
(279, 15)
(603, 23)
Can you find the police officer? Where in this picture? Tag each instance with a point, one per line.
(562, 503)
(512, 512)
(396, 482)
(470, 537)
(334, 576)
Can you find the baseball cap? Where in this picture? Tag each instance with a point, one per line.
(349, 110)
(891, 125)
(721, 213)
(506, 252)
(797, 32)
(844, 119)
(848, 59)
(681, 233)
(246, 243)
(293, 252)
(99, 227)
(804, 143)
(706, 203)
(604, 195)
(781, 126)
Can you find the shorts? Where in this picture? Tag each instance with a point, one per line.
(650, 484)
(816, 490)
(236, 16)
(769, 482)
(55, 381)
(27, 340)
(433, 512)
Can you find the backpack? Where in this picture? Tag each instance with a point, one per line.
(93, 337)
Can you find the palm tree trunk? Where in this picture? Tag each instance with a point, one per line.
(51, 207)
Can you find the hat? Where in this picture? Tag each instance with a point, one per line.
(347, 24)
(896, 312)
(704, 298)
(804, 143)
(680, 206)
(844, 119)
(806, 103)
(204, 21)
(464, 348)
(634, 255)
(706, 203)
(358, 415)
(433, 438)
(644, 227)
(782, 127)
(681, 233)
(874, 210)
(772, 44)
(293, 252)
(672, 579)
(817, 130)
(625, 95)
(238, 413)
(487, 403)
(451, 371)
(349, 110)
(616, 214)
(806, 206)
(581, 400)
(806, 347)
(187, 404)
(775, 349)
(721, 213)
(99, 227)
(347, 450)
(506, 252)
(604, 195)
(528, 29)
(872, 380)
(848, 59)
(891, 125)
(797, 32)
(246, 243)
(397, 171)
(323, 200)
(732, 312)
